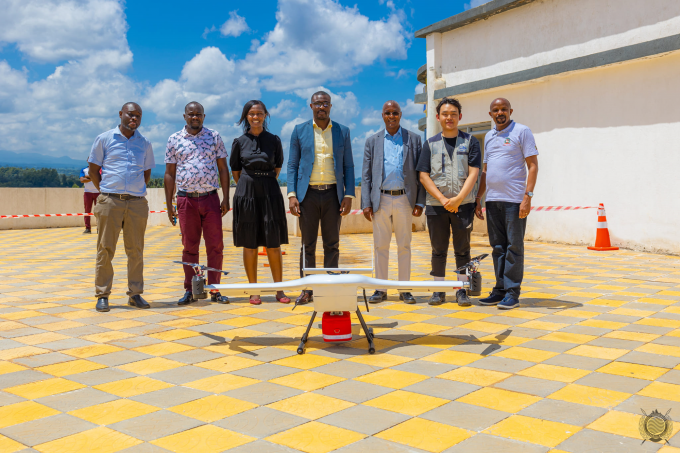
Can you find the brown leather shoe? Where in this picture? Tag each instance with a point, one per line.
(304, 298)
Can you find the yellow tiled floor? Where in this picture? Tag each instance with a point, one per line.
(595, 340)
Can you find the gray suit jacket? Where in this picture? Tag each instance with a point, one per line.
(372, 173)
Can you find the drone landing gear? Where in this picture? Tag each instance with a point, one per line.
(368, 331)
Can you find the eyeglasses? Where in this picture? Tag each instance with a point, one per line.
(318, 105)
(391, 113)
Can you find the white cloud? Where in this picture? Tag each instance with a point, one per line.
(359, 142)
(410, 108)
(345, 105)
(288, 59)
(372, 118)
(209, 78)
(475, 3)
(283, 109)
(287, 130)
(234, 26)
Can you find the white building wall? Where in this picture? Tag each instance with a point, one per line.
(550, 31)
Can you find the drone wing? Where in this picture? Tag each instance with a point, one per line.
(246, 289)
(187, 264)
(427, 286)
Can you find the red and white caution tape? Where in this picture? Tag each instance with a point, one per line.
(353, 212)
(78, 214)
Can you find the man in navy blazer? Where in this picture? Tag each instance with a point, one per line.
(320, 183)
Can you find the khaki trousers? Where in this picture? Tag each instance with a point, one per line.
(394, 211)
(114, 214)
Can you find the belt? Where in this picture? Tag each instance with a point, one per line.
(122, 196)
(323, 186)
(394, 192)
(260, 174)
(181, 193)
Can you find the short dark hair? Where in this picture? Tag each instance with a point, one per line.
(131, 103)
(452, 101)
(320, 93)
(243, 122)
(194, 103)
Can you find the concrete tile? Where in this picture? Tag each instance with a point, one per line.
(261, 422)
(21, 332)
(37, 320)
(260, 446)
(484, 443)
(475, 347)
(411, 350)
(547, 345)
(209, 328)
(354, 391)
(10, 344)
(586, 330)
(155, 425)
(564, 412)
(22, 377)
(635, 402)
(346, 369)
(646, 329)
(46, 429)
(182, 375)
(263, 393)
(589, 440)
(171, 396)
(50, 358)
(266, 371)
(465, 416)
(644, 358)
(82, 331)
(442, 388)
(364, 419)
(7, 398)
(198, 342)
(193, 356)
(144, 448)
(77, 399)
(69, 343)
(668, 340)
(616, 343)
(271, 315)
(502, 364)
(613, 382)
(532, 386)
(102, 376)
(672, 377)
(119, 358)
(577, 361)
(135, 342)
(338, 352)
(268, 354)
(424, 367)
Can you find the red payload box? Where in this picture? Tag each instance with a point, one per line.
(336, 326)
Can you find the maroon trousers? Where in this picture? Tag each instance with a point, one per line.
(90, 199)
(196, 216)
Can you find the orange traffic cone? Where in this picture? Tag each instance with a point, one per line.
(602, 241)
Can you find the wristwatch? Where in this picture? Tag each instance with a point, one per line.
(531, 194)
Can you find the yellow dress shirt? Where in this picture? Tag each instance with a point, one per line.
(323, 169)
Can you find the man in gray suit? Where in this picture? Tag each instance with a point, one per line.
(391, 193)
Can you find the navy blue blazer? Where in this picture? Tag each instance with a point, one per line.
(301, 159)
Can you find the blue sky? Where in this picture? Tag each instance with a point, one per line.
(68, 65)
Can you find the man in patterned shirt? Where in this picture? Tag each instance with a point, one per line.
(194, 160)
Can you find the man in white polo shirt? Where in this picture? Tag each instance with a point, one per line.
(509, 150)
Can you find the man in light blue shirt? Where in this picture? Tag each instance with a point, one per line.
(391, 194)
(125, 159)
(509, 177)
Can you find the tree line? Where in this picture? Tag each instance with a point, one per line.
(36, 177)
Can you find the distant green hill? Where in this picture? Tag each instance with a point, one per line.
(36, 177)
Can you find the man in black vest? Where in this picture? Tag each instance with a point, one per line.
(449, 166)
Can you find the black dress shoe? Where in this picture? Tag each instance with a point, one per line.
(87, 231)
(407, 298)
(462, 298)
(304, 298)
(186, 299)
(137, 301)
(217, 297)
(103, 304)
(377, 296)
(437, 298)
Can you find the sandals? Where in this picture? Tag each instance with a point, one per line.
(281, 297)
(255, 300)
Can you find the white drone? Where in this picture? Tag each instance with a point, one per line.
(336, 289)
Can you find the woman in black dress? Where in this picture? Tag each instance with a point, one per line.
(259, 212)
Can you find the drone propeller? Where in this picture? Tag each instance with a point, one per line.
(201, 267)
(474, 262)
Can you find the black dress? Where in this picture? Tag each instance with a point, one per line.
(259, 211)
